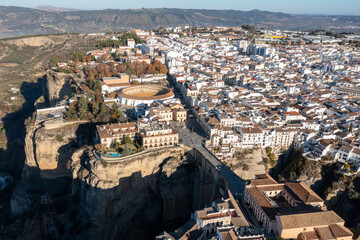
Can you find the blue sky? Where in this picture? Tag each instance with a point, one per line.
(351, 7)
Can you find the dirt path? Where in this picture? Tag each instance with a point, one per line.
(9, 65)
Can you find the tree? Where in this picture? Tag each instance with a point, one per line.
(245, 167)
(292, 176)
(150, 69)
(53, 61)
(71, 113)
(82, 107)
(119, 113)
(114, 117)
(130, 70)
(272, 156)
(327, 157)
(77, 57)
(250, 28)
(59, 138)
(104, 164)
(115, 144)
(114, 106)
(136, 82)
(127, 140)
(97, 86)
(126, 150)
(95, 108)
(268, 150)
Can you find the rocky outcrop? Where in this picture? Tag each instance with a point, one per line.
(58, 85)
(312, 175)
(50, 149)
(248, 163)
(48, 159)
(338, 191)
(33, 41)
(134, 199)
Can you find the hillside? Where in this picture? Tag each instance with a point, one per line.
(15, 21)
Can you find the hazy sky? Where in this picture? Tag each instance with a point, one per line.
(351, 7)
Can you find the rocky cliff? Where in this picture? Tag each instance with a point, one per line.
(58, 85)
(134, 199)
(48, 158)
(66, 192)
(341, 193)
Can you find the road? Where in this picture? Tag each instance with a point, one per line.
(192, 135)
(194, 138)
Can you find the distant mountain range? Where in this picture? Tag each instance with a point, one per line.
(15, 21)
(55, 9)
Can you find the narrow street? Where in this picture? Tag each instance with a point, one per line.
(193, 135)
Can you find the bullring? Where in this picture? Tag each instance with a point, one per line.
(144, 95)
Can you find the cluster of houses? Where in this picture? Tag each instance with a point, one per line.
(111, 55)
(222, 220)
(288, 210)
(152, 130)
(291, 210)
(279, 96)
(248, 95)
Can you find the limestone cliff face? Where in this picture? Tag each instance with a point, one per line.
(48, 152)
(49, 149)
(312, 175)
(135, 199)
(325, 179)
(58, 85)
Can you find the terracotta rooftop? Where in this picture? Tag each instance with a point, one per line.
(303, 192)
(251, 130)
(310, 220)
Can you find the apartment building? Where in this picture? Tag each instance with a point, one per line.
(168, 114)
(291, 210)
(222, 220)
(251, 137)
(108, 133)
(157, 135)
(263, 137)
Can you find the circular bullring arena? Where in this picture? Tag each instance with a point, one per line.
(144, 95)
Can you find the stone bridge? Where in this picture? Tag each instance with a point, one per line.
(215, 178)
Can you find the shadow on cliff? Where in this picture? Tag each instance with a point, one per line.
(85, 135)
(14, 124)
(50, 83)
(139, 207)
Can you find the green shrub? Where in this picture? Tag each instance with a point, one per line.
(59, 138)
(272, 156)
(245, 167)
(268, 150)
(104, 164)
